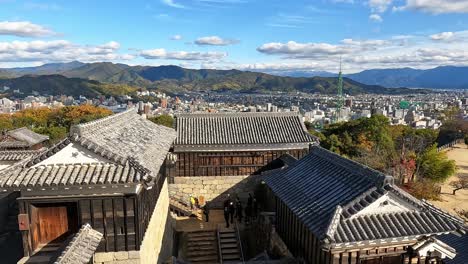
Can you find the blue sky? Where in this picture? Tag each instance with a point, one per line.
(264, 35)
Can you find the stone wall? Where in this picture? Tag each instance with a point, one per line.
(158, 240)
(156, 246)
(121, 257)
(213, 188)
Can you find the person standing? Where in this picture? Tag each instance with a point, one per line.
(232, 210)
(192, 202)
(226, 211)
(248, 213)
(255, 207)
(239, 210)
(206, 212)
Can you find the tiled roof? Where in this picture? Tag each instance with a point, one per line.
(124, 136)
(460, 244)
(81, 248)
(72, 174)
(16, 155)
(24, 137)
(326, 191)
(238, 130)
(135, 147)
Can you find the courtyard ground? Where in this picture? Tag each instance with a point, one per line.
(448, 201)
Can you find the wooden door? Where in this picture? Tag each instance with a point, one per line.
(48, 224)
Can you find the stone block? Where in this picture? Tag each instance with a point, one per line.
(121, 255)
(187, 190)
(103, 257)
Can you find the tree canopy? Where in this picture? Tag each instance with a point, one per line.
(409, 154)
(165, 120)
(54, 122)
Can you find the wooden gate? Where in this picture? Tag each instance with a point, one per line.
(49, 224)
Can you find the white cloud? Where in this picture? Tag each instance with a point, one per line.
(435, 6)
(59, 50)
(181, 55)
(379, 6)
(294, 49)
(24, 29)
(176, 37)
(214, 41)
(375, 17)
(395, 52)
(442, 36)
(172, 3)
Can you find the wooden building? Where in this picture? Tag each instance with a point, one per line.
(228, 144)
(20, 144)
(332, 210)
(22, 139)
(110, 174)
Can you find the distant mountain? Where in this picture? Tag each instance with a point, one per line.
(177, 79)
(61, 85)
(302, 73)
(445, 77)
(50, 68)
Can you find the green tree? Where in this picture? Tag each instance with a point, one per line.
(165, 120)
(435, 165)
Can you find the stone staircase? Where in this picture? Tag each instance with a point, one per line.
(229, 246)
(202, 247)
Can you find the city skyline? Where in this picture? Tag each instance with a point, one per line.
(268, 36)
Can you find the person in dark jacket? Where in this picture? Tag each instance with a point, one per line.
(226, 211)
(232, 210)
(248, 213)
(250, 200)
(239, 210)
(255, 207)
(206, 211)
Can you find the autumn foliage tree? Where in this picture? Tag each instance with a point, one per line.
(53, 122)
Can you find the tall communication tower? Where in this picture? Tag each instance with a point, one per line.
(340, 99)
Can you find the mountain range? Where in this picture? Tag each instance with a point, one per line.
(105, 77)
(443, 77)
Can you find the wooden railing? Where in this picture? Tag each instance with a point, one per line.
(450, 144)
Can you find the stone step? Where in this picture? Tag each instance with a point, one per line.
(231, 257)
(230, 250)
(196, 239)
(226, 230)
(197, 247)
(200, 253)
(227, 235)
(201, 243)
(201, 234)
(229, 245)
(228, 240)
(204, 259)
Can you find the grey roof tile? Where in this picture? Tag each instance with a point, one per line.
(21, 137)
(224, 131)
(70, 174)
(315, 186)
(17, 155)
(81, 248)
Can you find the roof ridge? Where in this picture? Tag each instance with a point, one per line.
(237, 114)
(434, 209)
(78, 129)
